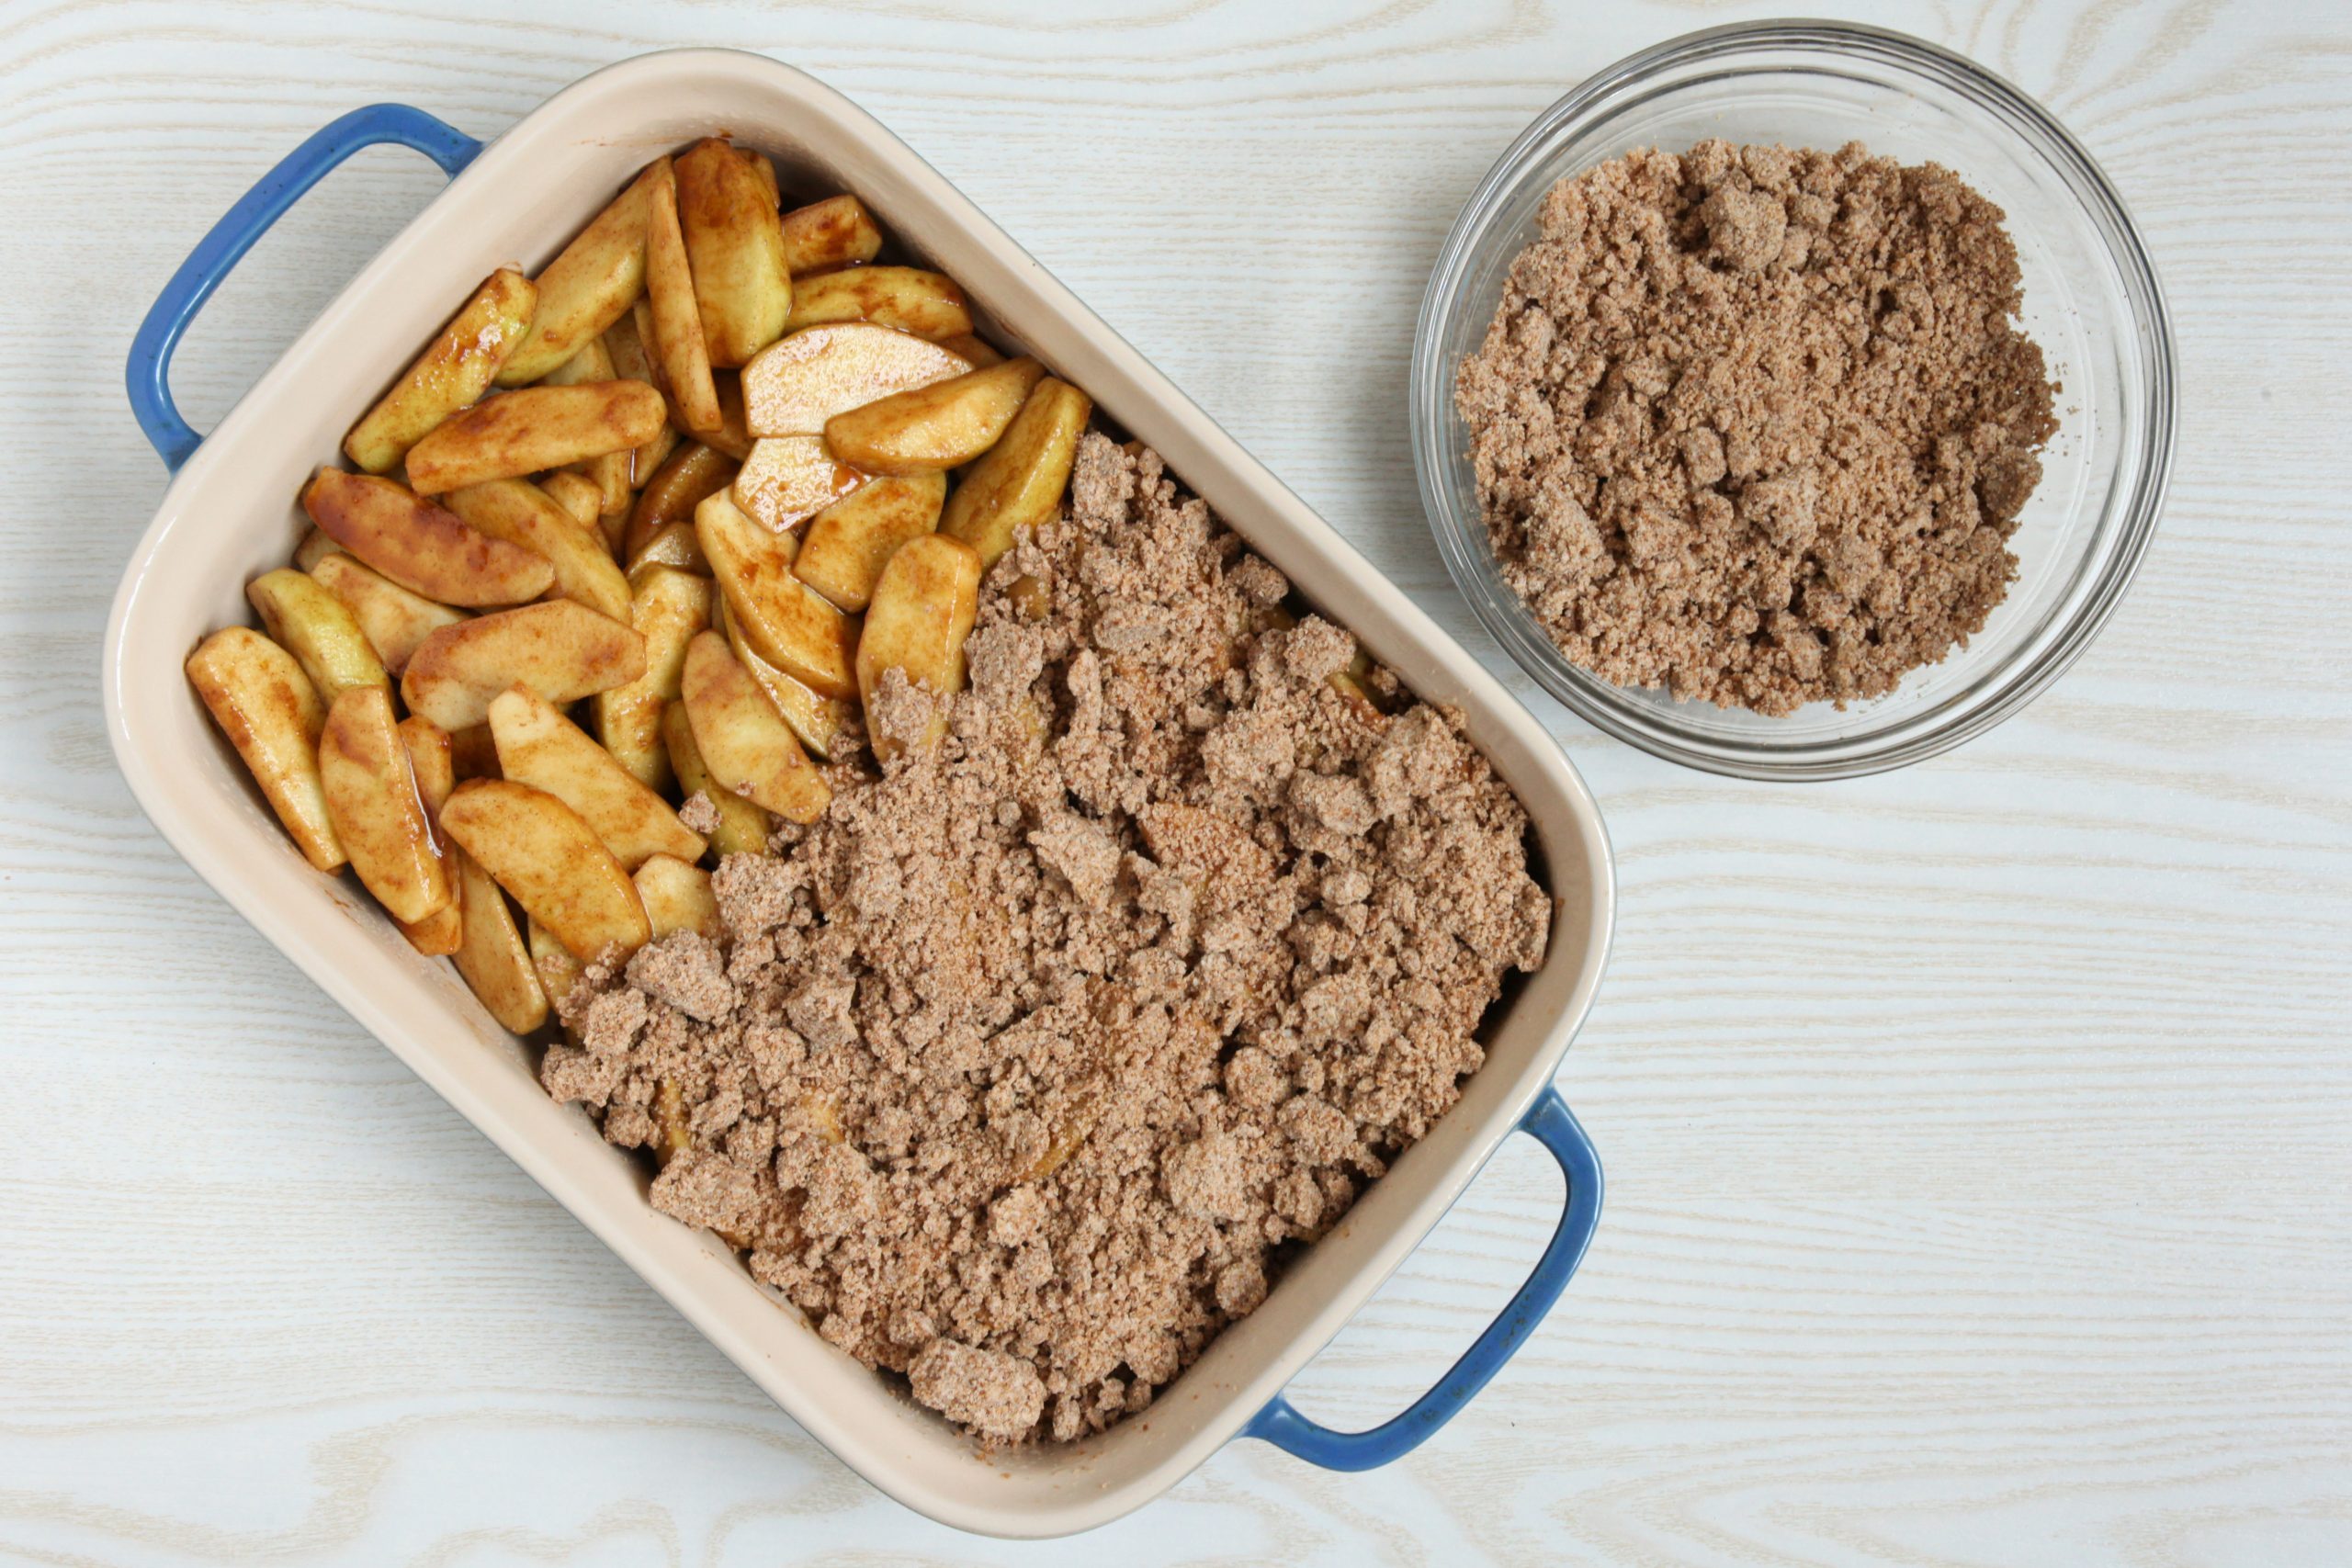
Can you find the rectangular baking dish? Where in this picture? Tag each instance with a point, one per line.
(229, 514)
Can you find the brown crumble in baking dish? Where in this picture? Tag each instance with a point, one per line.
(1022, 1069)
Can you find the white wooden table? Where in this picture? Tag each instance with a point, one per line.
(1979, 1137)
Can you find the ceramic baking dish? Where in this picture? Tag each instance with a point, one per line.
(227, 515)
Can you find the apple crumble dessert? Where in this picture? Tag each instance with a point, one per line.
(943, 845)
(1024, 1068)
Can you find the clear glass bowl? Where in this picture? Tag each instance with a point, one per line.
(2091, 300)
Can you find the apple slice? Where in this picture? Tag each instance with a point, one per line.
(592, 362)
(735, 243)
(421, 547)
(1020, 483)
(493, 956)
(845, 546)
(667, 608)
(675, 546)
(432, 759)
(582, 498)
(533, 428)
(610, 474)
(631, 350)
(643, 464)
(671, 496)
(746, 747)
(585, 289)
(633, 361)
(372, 800)
(521, 513)
(393, 619)
(453, 371)
(439, 935)
(539, 747)
(608, 471)
(742, 827)
(678, 341)
(537, 849)
(319, 629)
(922, 609)
(928, 304)
(556, 970)
(784, 620)
(764, 168)
(559, 649)
(789, 478)
(315, 547)
(934, 428)
(795, 384)
(823, 723)
(258, 693)
(677, 897)
(730, 434)
(836, 231)
(972, 346)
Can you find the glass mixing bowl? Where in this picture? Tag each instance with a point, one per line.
(2091, 302)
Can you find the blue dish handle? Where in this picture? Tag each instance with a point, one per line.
(1280, 1423)
(149, 371)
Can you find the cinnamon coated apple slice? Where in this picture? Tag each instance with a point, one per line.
(559, 649)
(1020, 483)
(845, 546)
(795, 384)
(431, 760)
(677, 897)
(540, 850)
(742, 827)
(455, 369)
(745, 744)
(928, 304)
(534, 428)
(586, 288)
(667, 607)
(670, 495)
(493, 956)
(372, 799)
(678, 341)
(319, 629)
(539, 747)
(394, 620)
(821, 723)
(785, 622)
(258, 693)
(922, 610)
(836, 231)
(522, 514)
(734, 241)
(420, 545)
(932, 429)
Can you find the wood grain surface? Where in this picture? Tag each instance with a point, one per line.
(1979, 1137)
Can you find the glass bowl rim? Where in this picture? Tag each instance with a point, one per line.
(1461, 542)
